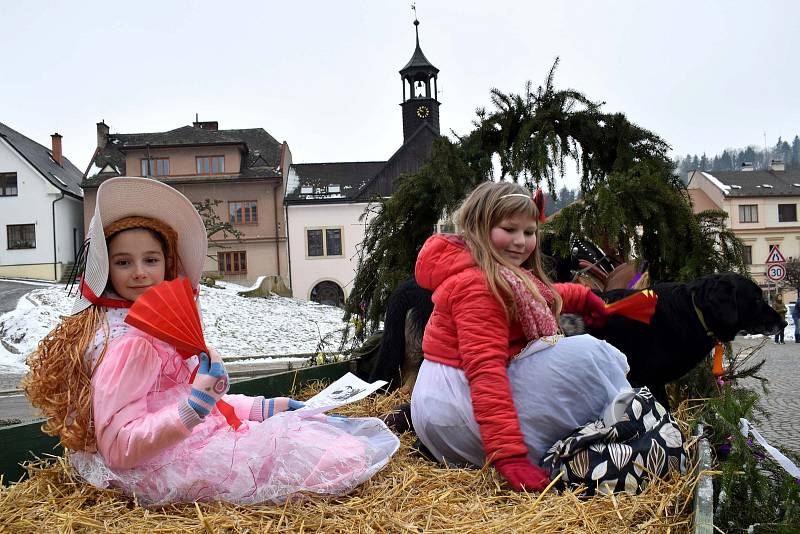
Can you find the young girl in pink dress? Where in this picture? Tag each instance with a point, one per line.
(121, 400)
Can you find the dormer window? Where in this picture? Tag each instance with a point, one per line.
(334, 188)
(210, 164)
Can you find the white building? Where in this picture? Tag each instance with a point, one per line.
(325, 201)
(41, 208)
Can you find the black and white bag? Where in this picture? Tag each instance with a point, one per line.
(636, 439)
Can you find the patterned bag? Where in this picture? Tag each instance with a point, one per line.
(637, 438)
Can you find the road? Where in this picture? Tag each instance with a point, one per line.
(10, 293)
(782, 400)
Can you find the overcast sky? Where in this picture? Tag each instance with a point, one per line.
(323, 75)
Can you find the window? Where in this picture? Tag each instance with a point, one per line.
(21, 236)
(243, 212)
(232, 262)
(333, 241)
(334, 188)
(314, 239)
(210, 164)
(748, 213)
(8, 184)
(331, 245)
(748, 254)
(787, 212)
(155, 167)
(329, 293)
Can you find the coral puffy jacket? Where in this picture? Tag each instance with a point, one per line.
(469, 330)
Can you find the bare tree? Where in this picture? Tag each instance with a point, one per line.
(216, 229)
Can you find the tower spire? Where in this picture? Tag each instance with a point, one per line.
(416, 21)
(419, 83)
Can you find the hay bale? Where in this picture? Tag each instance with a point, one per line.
(410, 495)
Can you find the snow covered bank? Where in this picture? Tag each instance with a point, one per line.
(234, 325)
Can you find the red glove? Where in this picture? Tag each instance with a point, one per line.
(521, 474)
(594, 311)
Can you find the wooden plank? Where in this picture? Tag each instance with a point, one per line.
(21, 442)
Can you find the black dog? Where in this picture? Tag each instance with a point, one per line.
(689, 319)
(407, 312)
(660, 352)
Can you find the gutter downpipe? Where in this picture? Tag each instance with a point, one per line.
(277, 233)
(55, 248)
(288, 248)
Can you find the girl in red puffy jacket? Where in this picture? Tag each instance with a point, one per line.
(499, 383)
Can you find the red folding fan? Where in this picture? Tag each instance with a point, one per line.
(168, 312)
(640, 306)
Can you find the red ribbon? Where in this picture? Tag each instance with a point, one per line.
(538, 199)
(106, 302)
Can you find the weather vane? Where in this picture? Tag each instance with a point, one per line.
(414, 9)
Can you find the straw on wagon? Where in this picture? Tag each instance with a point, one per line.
(411, 494)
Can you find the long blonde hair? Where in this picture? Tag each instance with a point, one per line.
(484, 209)
(59, 382)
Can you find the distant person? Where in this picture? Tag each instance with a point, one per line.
(780, 307)
(124, 402)
(796, 321)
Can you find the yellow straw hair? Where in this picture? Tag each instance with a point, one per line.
(60, 384)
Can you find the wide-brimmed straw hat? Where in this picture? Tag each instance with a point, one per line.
(125, 196)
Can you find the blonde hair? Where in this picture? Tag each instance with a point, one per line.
(484, 209)
(59, 382)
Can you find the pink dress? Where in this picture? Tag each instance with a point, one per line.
(146, 449)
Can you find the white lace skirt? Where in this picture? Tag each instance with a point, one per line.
(558, 384)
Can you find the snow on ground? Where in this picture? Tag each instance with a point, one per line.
(234, 325)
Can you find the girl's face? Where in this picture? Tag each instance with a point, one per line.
(136, 262)
(515, 238)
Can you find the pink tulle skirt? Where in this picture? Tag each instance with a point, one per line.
(287, 455)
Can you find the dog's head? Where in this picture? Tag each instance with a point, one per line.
(731, 303)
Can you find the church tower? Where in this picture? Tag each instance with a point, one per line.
(419, 92)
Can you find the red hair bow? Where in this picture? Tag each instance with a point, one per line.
(538, 199)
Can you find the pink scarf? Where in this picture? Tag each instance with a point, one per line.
(537, 319)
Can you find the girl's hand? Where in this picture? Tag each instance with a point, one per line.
(521, 474)
(270, 407)
(594, 312)
(210, 383)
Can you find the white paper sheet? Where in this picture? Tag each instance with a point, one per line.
(347, 389)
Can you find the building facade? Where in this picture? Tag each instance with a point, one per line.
(41, 208)
(238, 174)
(328, 204)
(762, 208)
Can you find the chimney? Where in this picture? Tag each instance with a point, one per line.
(211, 126)
(747, 166)
(57, 149)
(777, 165)
(102, 134)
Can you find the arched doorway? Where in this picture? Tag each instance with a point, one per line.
(327, 292)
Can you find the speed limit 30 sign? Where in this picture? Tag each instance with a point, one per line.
(776, 272)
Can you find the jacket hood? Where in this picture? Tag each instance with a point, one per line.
(442, 256)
